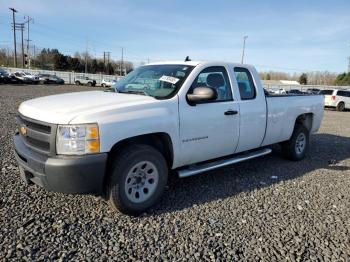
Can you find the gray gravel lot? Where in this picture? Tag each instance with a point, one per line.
(265, 209)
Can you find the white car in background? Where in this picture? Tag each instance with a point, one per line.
(108, 83)
(280, 92)
(337, 98)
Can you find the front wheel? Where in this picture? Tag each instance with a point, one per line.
(297, 146)
(138, 177)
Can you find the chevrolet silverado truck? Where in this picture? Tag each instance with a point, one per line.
(185, 117)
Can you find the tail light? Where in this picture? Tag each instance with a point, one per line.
(333, 98)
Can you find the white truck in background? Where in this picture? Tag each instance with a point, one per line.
(189, 117)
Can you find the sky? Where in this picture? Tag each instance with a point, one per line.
(291, 36)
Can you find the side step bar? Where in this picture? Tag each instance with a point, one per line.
(194, 170)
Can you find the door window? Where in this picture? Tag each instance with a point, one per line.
(245, 83)
(215, 77)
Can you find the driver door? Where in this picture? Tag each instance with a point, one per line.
(209, 130)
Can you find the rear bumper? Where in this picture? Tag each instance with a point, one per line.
(69, 174)
(330, 104)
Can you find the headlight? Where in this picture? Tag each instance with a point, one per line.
(77, 139)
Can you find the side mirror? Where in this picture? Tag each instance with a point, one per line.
(202, 94)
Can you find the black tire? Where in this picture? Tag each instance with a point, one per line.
(77, 83)
(341, 106)
(119, 175)
(89, 84)
(291, 150)
(103, 85)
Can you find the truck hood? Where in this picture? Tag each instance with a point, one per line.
(61, 109)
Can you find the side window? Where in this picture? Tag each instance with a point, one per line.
(343, 93)
(245, 83)
(215, 77)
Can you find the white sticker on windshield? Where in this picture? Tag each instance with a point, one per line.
(169, 79)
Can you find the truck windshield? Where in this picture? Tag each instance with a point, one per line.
(159, 81)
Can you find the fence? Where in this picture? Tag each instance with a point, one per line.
(68, 77)
(274, 87)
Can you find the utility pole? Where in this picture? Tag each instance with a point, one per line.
(20, 26)
(34, 55)
(86, 52)
(22, 29)
(108, 55)
(14, 36)
(244, 38)
(104, 61)
(349, 65)
(28, 39)
(122, 65)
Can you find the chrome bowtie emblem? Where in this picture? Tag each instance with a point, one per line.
(23, 130)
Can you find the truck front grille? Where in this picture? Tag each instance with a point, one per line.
(37, 135)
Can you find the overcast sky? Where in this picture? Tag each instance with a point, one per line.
(282, 35)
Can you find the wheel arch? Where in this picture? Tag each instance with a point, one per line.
(161, 141)
(306, 120)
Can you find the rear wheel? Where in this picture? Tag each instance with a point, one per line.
(77, 83)
(137, 179)
(103, 85)
(341, 106)
(89, 84)
(297, 146)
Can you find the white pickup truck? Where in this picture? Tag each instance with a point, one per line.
(189, 117)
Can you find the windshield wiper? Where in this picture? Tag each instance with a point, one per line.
(137, 92)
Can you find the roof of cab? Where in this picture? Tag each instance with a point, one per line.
(195, 63)
(191, 63)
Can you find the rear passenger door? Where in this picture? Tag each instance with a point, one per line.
(252, 110)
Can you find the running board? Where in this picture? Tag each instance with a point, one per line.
(194, 170)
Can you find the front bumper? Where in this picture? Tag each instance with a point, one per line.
(65, 174)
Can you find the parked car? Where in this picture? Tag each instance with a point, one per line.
(50, 79)
(313, 90)
(26, 78)
(3, 76)
(192, 117)
(280, 91)
(295, 92)
(337, 98)
(108, 83)
(6, 78)
(84, 80)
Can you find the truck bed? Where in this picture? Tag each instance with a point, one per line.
(282, 110)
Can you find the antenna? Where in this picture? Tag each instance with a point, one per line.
(187, 59)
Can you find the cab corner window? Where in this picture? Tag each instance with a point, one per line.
(216, 78)
(245, 83)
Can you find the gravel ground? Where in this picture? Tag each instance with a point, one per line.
(264, 209)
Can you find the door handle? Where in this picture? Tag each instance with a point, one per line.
(231, 112)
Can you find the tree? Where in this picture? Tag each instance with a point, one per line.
(303, 79)
(343, 79)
